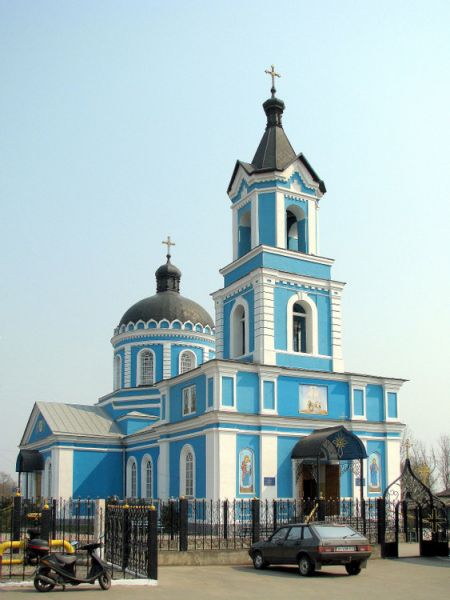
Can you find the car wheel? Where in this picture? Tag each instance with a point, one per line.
(41, 585)
(305, 565)
(105, 580)
(353, 568)
(258, 561)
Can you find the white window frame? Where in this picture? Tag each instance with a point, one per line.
(130, 463)
(139, 359)
(312, 327)
(268, 411)
(391, 390)
(234, 333)
(362, 389)
(147, 460)
(117, 372)
(185, 451)
(189, 400)
(180, 360)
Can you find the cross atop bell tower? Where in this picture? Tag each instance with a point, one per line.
(273, 74)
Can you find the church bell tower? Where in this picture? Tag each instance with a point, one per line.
(279, 305)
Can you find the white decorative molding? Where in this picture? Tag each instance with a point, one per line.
(240, 302)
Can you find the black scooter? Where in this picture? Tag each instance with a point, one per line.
(60, 569)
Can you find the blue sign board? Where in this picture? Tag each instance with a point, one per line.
(269, 480)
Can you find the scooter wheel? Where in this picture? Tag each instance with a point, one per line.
(105, 580)
(42, 586)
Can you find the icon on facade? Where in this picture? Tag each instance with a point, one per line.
(374, 467)
(246, 472)
(314, 399)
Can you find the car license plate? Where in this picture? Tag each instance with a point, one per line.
(345, 548)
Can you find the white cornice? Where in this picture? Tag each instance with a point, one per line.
(149, 334)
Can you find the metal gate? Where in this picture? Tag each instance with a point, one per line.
(409, 510)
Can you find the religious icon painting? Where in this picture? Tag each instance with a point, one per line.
(374, 473)
(314, 399)
(246, 471)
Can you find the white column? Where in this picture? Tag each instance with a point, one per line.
(269, 464)
(392, 460)
(227, 464)
(281, 220)
(264, 322)
(219, 328)
(235, 226)
(312, 226)
(163, 469)
(254, 221)
(62, 472)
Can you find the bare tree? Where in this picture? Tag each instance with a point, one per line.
(442, 455)
(423, 460)
(7, 484)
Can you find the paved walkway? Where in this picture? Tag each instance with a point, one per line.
(402, 579)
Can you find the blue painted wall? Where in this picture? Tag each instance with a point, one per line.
(244, 231)
(374, 403)
(286, 184)
(247, 391)
(269, 395)
(288, 398)
(267, 218)
(284, 484)
(199, 446)
(40, 435)
(227, 391)
(252, 442)
(358, 403)
(176, 398)
(97, 474)
(210, 391)
(303, 361)
(392, 405)
(176, 350)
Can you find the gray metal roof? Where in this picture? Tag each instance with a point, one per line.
(78, 419)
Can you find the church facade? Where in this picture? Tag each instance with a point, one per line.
(216, 410)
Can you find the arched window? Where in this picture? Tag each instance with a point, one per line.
(299, 328)
(147, 477)
(117, 371)
(302, 324)
(131, 478)
(244, 233)
(296, 229)
(187, 471)
(146, 368)
(48, 478)
(239, 329)
(187, 361)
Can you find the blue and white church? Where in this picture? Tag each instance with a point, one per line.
(257, 403)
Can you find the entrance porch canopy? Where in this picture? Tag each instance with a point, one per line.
(330, 443)
(29, 461)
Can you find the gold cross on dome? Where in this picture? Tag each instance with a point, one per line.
(273, 74)
(168, 243)
(407, 447)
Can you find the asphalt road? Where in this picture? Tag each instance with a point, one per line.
(402, 579)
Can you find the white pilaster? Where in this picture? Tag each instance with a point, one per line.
(219, 328)
(227, 464)
(280, 216)
(235, 232)
(62, 472)
(254, 221)
(269, 466)
(312, 227)
(163, 469)
(392, 459)
(264, 321)
(166, 360)
(212, 464)
(127, 366)
(336, 332)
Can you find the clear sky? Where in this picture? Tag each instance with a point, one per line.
(120, 123)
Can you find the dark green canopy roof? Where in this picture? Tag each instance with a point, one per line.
(330, 443)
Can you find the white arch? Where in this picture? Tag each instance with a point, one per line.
(312, 328)
(298, 213)
(147, 477)
(131, 480)
(185, 354)
(187, 463)
(236, 328)
(139, 357)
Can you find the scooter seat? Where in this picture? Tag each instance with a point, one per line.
(65, 559)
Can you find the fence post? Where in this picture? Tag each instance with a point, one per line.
(125, 536)
(46, 522)
(256, 526)
(321, 509)
(183, 524)
(363, 515)
(225, 519)
(275, 514)
(381, 520)
(99, 523)
(16, 516)
(152, 543)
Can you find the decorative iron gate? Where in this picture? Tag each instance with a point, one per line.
(409, 509)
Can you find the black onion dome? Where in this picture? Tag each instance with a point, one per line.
(167, 303)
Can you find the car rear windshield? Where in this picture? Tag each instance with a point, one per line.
(330, 531)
